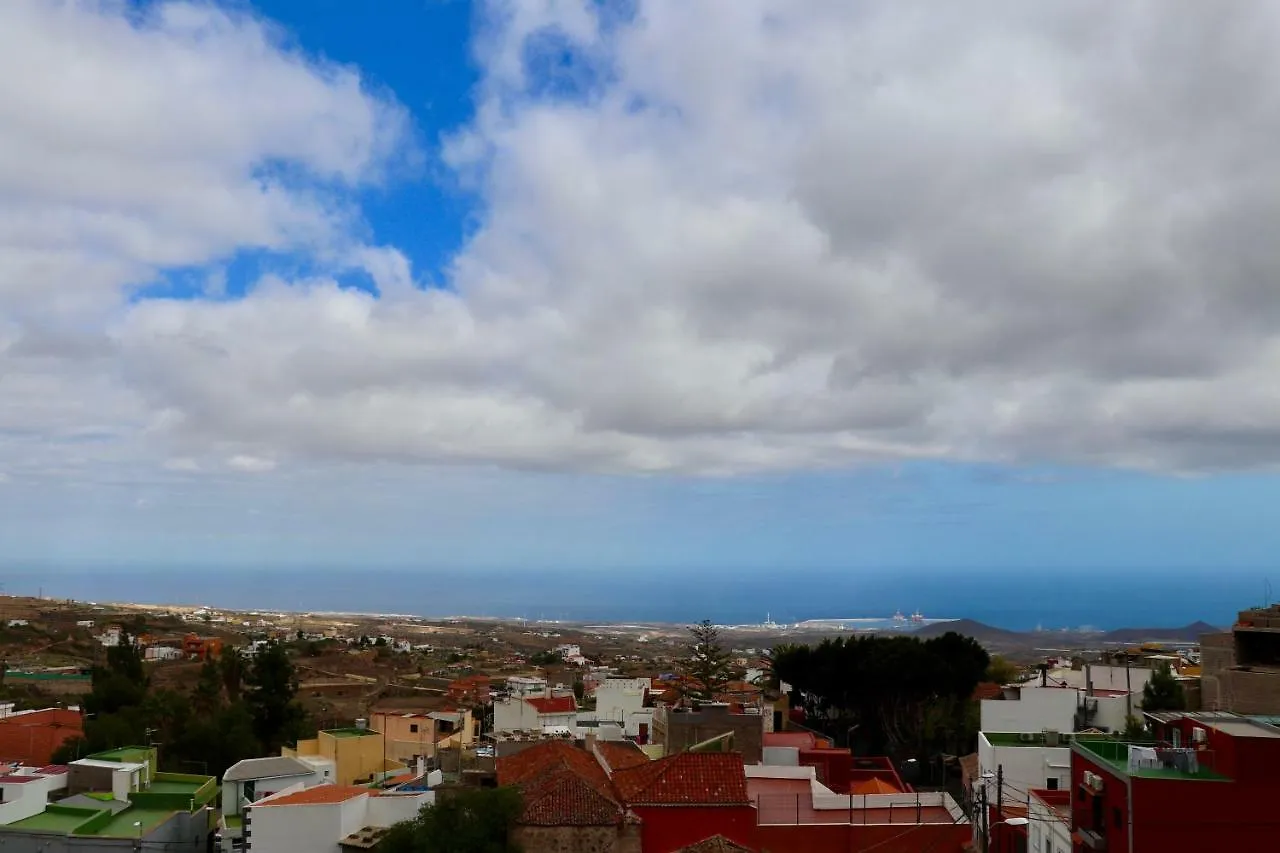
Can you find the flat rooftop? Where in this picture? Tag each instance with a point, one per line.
(122, 823)
(124, 755)
(790, 802)
(349, 732)
(1114, 755)
(53, 820)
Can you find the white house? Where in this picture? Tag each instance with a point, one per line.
(621, 700)
(157, 653)
(525, 685)
(1033, 708)
(1025, 760)
(1103, 676)
(1049, 822)
(325, 818)
(534, 713)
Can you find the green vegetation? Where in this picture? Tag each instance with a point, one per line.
(1163, 692)
(707, 668)
(235, 711)
(463, 821)
(1002, 671)
(902, 696)
(547, 658)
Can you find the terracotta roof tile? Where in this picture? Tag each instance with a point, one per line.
(621, 755)
(551, 755)
(553, 704)
(563, 798)
(318, 796)
(708, 778)
(561, 785)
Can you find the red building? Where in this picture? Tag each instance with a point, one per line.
(1210, 781)
(194, 646)
(687, 798)
(795, 812)
(837, 768)
(31, 737)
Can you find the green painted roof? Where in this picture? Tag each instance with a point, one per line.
(1115, 755)
(125, 754)
(122, 824)
(61, 821)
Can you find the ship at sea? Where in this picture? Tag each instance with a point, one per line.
(917, 618)
(898, 618)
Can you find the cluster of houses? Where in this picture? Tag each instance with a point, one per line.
(1071, 761)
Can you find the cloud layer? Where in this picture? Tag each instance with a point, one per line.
(715, 238)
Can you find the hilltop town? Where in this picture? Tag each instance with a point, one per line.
(643, 739)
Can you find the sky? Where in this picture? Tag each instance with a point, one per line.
(645, 285)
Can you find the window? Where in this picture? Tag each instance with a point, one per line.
(1051, 784)
(1048, 844)
(413, 728)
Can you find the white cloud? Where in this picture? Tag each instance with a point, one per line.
(756, 235)
(251, 464)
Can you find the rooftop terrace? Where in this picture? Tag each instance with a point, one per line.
(349, 732)
(1114, 755)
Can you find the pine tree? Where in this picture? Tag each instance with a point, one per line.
(1163, 692)
(270, 698)
(707, 668)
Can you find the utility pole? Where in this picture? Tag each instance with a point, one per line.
(982, 816)
(1000, 792)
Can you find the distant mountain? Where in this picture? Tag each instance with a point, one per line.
(1190, 632)
(981, 632)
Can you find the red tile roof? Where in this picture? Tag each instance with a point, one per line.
(563, 798)
(621, 755)
(551, 755)
(553, 705)
(53, 769)
(11, 780)
(561, 785)
(320, 795)
(690, 778)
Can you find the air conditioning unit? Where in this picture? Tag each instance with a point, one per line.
(1051, 737)
(1092, 781)
(1199, 735)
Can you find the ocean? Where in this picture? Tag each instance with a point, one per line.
(1017, 600)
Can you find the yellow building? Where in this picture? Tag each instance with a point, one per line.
(409, 735)
(358, 754)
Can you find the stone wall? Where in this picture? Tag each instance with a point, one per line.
(578, 839)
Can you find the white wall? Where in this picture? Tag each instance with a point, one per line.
(24, 799)
(1025, 767)
(512, 714)
(296, 829)
(622, 700)
(1105, 677)
(1114, 710)
(392, 809)
(1037, 709)
(1046, 832)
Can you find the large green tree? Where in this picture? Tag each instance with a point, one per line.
(475, 820)
(706, 667)
(270, 697)
(1163, 692)
(903, 695)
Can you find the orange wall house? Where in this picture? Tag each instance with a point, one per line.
(32, 738)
